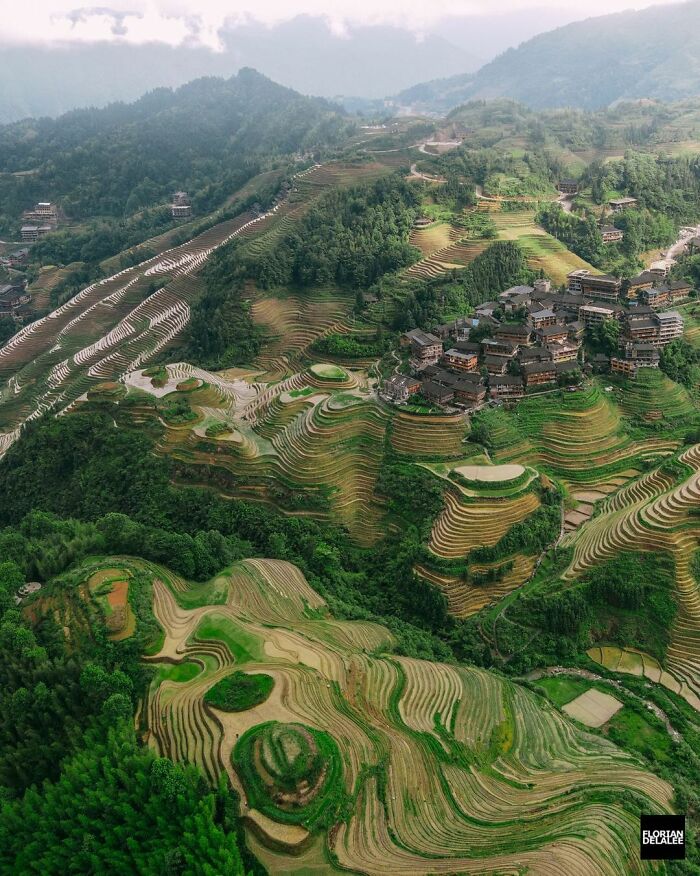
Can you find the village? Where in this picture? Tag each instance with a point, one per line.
(533, 339)
(43, 218)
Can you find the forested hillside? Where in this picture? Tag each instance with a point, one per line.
(651, 53)
(351, 238)
(206, 138)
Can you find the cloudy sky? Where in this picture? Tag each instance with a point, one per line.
(198, 21)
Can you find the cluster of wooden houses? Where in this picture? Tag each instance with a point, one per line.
(14, 298)
(38, 221)
(16, 259)
(608, 232)
(181, 206)
(535, 340)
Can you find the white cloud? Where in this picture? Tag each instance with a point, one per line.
(177, 21)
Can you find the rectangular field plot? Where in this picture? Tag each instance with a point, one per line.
(593, 708)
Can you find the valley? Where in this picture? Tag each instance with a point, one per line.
(358, 510)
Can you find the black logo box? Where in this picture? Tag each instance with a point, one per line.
(662, 837)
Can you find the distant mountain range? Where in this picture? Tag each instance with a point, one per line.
(653, 53)
(303, 54)
(590, 64)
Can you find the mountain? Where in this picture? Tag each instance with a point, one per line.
(302, 53)
(653, 53)
(206, 137)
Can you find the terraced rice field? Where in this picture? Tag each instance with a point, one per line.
(655, 513)
(444, 248)
(475, 516)
(434, 237)
(293, 323)
(465, 599)
(118, 324)
(314, 440)
(466, 523)
(579, 437)
(691, 319)
(433, 437)
(630, 661)
(652, 397)
(48, 278)
(543, 252)
(443, 769)
(111, 327)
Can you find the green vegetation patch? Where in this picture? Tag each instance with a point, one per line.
(627, 601)
(177, 411)
(216, 429)
(240, 691)
(562, 689)
(328, 372)
(189, 385)
(634, 730)
(108, 391)
(244, 646)
(158, 375)
(292, 774)
(178, 672)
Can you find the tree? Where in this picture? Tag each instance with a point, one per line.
(607, 336)
(680, 361)
(115, 809)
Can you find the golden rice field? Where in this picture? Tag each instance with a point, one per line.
(293, 323)
(440, 769)
(432, 437)
(543, 252)
(444, 248)
(311, 443)
(474, 517)
(467, 523)
(465, 599)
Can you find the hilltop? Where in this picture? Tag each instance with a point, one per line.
(204, 137)
(302, 53)
(590, 64)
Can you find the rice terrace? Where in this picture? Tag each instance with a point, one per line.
(349, 484)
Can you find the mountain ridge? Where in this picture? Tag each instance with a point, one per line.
(302, 54)
(588, 64)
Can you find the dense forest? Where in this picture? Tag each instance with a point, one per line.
(202, 138)
(668, 192)
(220, 332)
(79, 792)
(430, 302)
(663, 185)
(350, 238)
(502, 174)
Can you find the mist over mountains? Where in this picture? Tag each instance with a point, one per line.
(303, 54)
(588, 64)
(653, 53)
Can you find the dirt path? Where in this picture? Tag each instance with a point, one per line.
(416, 174)
(566, 202)
(676, 249)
